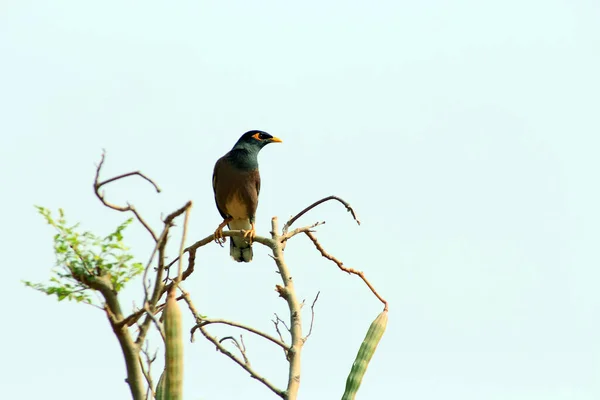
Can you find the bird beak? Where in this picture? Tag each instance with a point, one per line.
(276, 140)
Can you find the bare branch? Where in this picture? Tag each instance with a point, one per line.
(138, 173)
(278, 321)
(206, 321)
(146, 371)
(288, 292)
(345, 269)
(303, 229)
(223, 350)
(150, 303)
(241, 347)
(313, 205)
(183, 236)
(159, 326)
(312, 316)
(191, 250)
(128, 207)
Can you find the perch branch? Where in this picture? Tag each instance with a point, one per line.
(191, 250)
(345, 269)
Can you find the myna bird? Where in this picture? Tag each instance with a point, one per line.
(236, 183)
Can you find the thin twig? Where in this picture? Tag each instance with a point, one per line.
(147, 371)
(278, 321)
(158, 290)
(138, 173)
(276, 324)
(161, 242)
(183, 236)
(149, 390)
(206, 321)
(159, 326)
(223, 350)
(312, 316)
(241, 347)
(313, 205)
(303, 229)
(129, 207)
(346, 269)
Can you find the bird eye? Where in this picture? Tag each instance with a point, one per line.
(258, 136)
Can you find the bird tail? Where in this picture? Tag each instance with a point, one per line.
(239, 249)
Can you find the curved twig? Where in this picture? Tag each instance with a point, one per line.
(128, 207)
(346, 269)
(241, 347)
(246, 366)
(205, 321)
(312, 317)
(316, 203)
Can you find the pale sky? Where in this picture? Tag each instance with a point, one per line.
(464, 133)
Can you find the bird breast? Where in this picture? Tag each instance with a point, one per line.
(236, 207)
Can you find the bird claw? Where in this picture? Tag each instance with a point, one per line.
(219, 238)
(249, 235)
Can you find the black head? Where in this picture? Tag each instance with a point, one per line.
(255, 140)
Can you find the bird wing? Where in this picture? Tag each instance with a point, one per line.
(257, 179)
(215, 183)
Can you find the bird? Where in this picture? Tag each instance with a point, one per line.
(236, 186)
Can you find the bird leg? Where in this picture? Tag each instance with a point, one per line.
(249, 235)
(219, 238)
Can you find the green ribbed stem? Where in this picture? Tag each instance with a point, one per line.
(365, 353)
(173, 349)
(160, 387)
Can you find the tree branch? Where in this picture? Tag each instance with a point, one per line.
(316, 203)
(158, 291)
(285, 237)
(130, 350)
(345, 269)
(191, 250)
(288, 292)
(207, 321)
(246, 366)
(312, 317)
(129, 207)
(147, 371)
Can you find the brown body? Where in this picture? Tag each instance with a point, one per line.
(236, 195)
(236, 184)
(236, 191)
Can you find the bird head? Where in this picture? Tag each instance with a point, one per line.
(255, 140)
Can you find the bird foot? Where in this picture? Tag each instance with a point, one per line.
(249, 235)
(219, 238)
